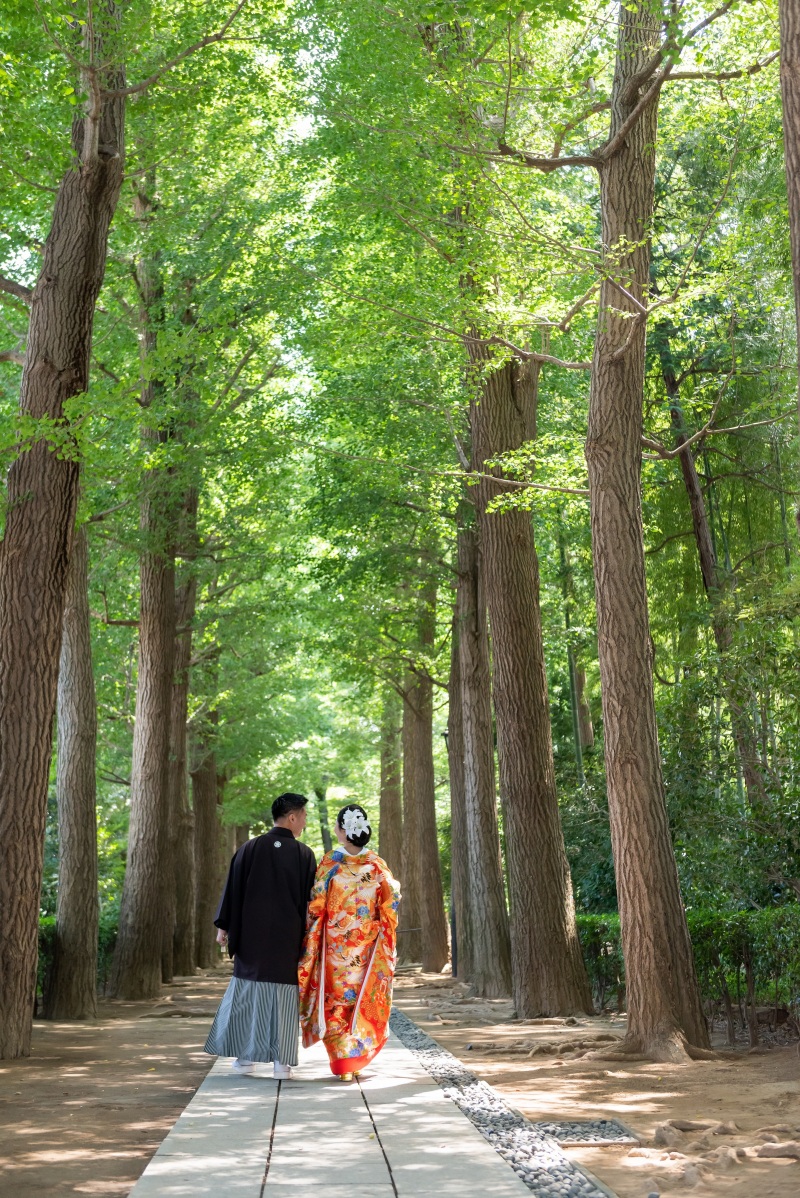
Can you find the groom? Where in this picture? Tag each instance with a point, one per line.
(262, 919)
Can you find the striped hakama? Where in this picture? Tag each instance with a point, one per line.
(256, 1021)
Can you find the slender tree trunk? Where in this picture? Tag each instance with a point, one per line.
(321, 792)
(790, 93)
(40, 517)
(548, 974)
(488, 921)
(72, 993)
(716, 584)
(435, 950)
(409, 944)
(390, 821)
(664, 1007)
(178, 797)
(460, 920)
(207, 853)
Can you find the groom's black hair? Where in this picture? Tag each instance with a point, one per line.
(287, 802)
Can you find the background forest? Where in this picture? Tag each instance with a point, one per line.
(342, 373)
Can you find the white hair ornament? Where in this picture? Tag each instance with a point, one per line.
(354, 823)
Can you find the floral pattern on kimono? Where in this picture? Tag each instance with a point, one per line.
(347, 967)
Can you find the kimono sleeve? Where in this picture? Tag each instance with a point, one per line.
(229, 912)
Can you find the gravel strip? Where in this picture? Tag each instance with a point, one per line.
(532, 1153)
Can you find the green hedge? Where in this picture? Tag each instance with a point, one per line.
(106, 940)
(743, 958)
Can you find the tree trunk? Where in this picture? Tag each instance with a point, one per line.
(435, 950)
(409, 943)
(664, 1007)
(488, 921)
(548, 974)
(72, 993)
(207, 854)
(321, 792)
(182, 819)
(790, 94)
(136, 972)
(390, 814)
(40, 517)
(716, 583)
(460, 921)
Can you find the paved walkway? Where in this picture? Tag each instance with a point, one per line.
(394, 1135)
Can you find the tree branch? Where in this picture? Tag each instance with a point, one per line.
(210, 39)
(18, 290)
(720, 76)
(12, 355)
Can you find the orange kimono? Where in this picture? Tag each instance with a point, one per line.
(347, 967)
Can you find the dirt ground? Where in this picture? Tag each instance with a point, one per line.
(87, 1110)
(746, 1101)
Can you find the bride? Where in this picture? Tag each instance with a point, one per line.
(347, 967)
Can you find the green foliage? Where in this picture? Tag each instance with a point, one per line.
(725, 944)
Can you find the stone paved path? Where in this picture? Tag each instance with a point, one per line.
(394, 1135)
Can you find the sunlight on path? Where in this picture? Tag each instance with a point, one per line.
(394, 1136)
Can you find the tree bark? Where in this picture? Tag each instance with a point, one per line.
(789, 14)
(460, 921)
(390, 814)
(182, 819)
(40, 517)
(664, 1008)
(435, 951)
(490, 955)
(409, 944)
(548, 974)
(207, 852)
(137, 968)
(72, 993)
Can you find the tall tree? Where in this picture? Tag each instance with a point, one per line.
(148, 896)
(180, 813)
(665, 1017)
(390, 815)
(548, 974)
(72, 993)
(42, 498)
(483, 898)
(790, 93)
(460, 913)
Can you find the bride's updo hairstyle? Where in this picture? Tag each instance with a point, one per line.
(353, 819)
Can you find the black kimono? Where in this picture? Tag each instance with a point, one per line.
(263, 910)
(263, 907)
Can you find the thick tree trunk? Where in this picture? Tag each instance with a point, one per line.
(790, 93)
(72, 993)
(460, 921)
(136, 971)
(664, 1008)
(548, 974)
(182, 820)
(390, 814)
(488, 921)
(207, 855)
(40, 517)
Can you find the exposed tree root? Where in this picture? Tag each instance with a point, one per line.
(667, 1048)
